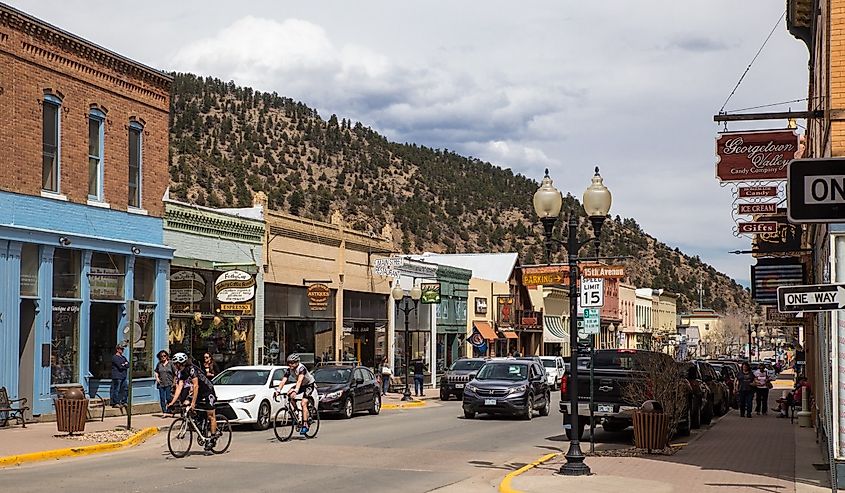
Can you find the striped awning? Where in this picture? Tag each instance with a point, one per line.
(553, 330)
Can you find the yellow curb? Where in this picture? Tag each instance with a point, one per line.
(406, 405)
(505, 485)
(137, 438)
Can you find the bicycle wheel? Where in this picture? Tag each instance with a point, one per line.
(313, 421)
(225, 438)
(283, 425)
(179, 438)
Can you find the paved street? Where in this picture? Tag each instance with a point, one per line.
(413, 450)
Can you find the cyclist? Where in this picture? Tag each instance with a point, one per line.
(304, 387)
(195, 389)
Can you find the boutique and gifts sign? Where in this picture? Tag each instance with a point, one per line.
(752, 156)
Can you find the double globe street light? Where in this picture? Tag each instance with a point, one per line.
(547, 204)
(398, 295)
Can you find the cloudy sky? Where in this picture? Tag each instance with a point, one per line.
(629, 86)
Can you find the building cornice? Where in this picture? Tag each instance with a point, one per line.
(187, 219)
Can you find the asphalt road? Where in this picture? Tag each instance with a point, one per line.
(412, 450)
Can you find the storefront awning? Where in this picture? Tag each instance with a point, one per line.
(509, 334)
(553, 330)
(485, 330)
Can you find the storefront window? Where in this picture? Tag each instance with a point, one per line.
(228, 340)
(142, 346)
(63, 347)
(282, 338)
(29, 270)
(102, 338)
(106, 279)
(66, 269)
(419, 348)
(145, 279)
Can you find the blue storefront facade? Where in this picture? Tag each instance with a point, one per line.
(67, 271)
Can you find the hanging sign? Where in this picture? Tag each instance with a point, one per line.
(235, 286)
(430, 293)
(750, 156)
(318, 297)
(504, 305)
(754, 192)
(758, 227)
(186, 286)
(751, 209)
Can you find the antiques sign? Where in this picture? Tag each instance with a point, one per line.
(750, 156)
(318, 297)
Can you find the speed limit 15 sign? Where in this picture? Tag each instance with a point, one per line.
(592, 293)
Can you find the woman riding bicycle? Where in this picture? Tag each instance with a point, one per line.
(304, 388)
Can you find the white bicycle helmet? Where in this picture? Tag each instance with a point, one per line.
(180, 358)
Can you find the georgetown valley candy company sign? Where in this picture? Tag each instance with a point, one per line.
(750, 156)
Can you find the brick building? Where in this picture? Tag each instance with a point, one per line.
(83, 169)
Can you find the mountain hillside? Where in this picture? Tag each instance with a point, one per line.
(229, 141)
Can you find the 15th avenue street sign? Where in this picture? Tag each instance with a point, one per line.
(815, 190)
(812, 298)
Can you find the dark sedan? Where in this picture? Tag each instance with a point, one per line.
(510, 387)
(346, 390)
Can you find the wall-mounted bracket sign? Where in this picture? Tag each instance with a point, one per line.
(751, 209)
(758, 227)
(757, 155)
(815, 190)
(756, 192)
(430, 293)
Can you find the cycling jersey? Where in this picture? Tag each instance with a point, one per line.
(205, 387)
(293, 374)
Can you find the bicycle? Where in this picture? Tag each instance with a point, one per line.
(289, 418)
(180, 435)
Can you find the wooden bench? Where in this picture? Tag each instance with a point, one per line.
(12, 408)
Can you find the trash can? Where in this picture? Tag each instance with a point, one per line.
(71, 414)
(651, 429)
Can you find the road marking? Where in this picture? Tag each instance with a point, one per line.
(505, 485)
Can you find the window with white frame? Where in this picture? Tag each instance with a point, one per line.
(50, 132)
(135, 163)
(96, 120)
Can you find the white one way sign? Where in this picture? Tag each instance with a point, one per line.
(812, 298)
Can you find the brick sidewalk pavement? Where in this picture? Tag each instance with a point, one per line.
(736, 455)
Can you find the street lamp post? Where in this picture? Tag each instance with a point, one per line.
(753, 324)
(547, 205)
(399, 295)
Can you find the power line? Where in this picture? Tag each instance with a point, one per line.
(752, 61)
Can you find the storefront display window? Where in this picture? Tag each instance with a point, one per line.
(142, 345)
(29, 270)
(229, 340)
(66, 270)
(106, 278)
(282, 338)
(419, 348)
(64, 344)
(145, 279)
(103, 327)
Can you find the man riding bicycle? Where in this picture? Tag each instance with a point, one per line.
(304, 388)
(192, 385)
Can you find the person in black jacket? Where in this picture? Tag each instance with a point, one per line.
(119, 373)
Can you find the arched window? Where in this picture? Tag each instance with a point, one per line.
(51, 144)
(136, 131)
(96, 126)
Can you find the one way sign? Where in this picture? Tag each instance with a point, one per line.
(813, 298)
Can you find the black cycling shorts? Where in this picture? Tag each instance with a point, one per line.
(206, 402)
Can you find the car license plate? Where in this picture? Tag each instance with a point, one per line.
(459, 385)
(489, 402)
(605, 409)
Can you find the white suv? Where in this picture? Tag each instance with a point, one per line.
(555, 369)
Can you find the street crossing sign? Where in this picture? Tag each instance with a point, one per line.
(812, 298)
(592, 293)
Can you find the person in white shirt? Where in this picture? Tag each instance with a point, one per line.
(762, 382)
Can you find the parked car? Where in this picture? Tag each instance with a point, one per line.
(555, 369)
(245, 394)
(456, 377)
(345, 390)
(728, 376)
(511, 387)
(613, 370)
(720, 397)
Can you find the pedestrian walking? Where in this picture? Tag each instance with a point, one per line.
(119, 373)
(209, 366)
(419, 376)
(386, 374)
(745, 388)
(164, 380)
(762, 384)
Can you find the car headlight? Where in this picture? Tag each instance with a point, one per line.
(517, 390)
(246, 398)
(472, 388)
(331, 396)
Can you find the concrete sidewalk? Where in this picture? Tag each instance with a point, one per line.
(41, 437)
(764, 453)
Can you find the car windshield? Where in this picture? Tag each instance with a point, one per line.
(549, 363)
(242, 377)
(494, 371)
(332, 375)
(466, 365)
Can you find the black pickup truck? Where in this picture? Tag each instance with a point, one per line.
(613, 370)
